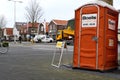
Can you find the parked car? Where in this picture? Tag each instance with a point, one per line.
(37, 38)
(46, 39)
(42, 38)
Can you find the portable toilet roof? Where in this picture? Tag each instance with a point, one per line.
(100, 3)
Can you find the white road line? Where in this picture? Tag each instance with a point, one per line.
(36, 48)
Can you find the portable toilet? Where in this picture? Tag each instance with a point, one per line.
(95, 44)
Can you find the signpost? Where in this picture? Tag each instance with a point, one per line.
(59, 46)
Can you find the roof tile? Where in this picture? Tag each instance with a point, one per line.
(60, 22)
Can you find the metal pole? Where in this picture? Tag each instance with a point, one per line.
(14, 29)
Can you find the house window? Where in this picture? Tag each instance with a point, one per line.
(25, 31)
(50, 27)
(42, 28)
(21, 31)
(54, 27)
(32, 30)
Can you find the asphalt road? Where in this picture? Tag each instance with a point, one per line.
(28, 61)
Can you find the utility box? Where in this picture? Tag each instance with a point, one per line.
(95, 44)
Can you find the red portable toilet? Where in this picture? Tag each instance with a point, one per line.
(95, 44)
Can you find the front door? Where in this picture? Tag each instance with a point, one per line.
(88, 37)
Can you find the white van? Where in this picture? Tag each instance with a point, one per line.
(42, 38)
(46, 39)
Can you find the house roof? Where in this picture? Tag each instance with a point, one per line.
(35, 25)
(60, 22)
(23, 27)
(20, 23)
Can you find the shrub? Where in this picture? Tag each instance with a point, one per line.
(5, 44)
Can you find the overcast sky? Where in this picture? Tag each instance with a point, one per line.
(53, 9)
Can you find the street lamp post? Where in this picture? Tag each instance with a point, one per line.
(14, 29)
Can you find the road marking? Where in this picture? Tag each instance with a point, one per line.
(36, 48)
(39, 47)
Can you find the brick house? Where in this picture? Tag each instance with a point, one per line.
(56, 25)
(47, 28)
(43, 28)
(23, 32)
(19, 25)
(32, 29)
(28, 29)
(8, 33)
(1, 32)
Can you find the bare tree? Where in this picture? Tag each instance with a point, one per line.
(2, 24)
(34, 12)
(3, 21)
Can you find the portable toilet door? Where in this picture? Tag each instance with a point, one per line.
(88, 34)
(91, 31)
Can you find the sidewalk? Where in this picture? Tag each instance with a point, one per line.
(19, 44)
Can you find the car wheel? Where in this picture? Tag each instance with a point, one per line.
(50, 41)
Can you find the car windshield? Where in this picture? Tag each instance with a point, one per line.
(43, 37)
(47, 36)
(58, 32)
